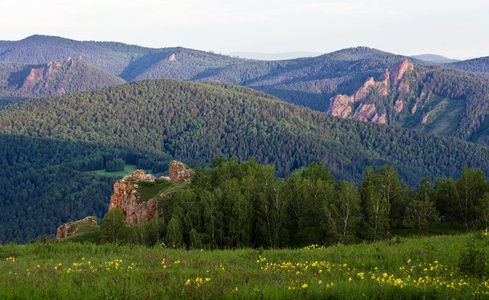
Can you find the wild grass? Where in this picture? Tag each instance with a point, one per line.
(127, 170)
(398, 269)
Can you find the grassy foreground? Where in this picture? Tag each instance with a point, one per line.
(399, 269)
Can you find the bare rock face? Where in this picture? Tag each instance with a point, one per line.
(425, 118)
(172, 57)
(399, 105)
(72, 227)
(125, 198)
(179, 172)
(392, 80)
(397, 70)
(365, 112)
(382, 119)
(339, 106)
(41, 78)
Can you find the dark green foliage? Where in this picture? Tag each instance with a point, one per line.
(474, 258)
(476, 65)
(46, 143)
(203, 120)
(113, 229)
(115, 165)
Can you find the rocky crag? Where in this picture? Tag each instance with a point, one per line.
(127, 199)
(359, 107)
(73, 227)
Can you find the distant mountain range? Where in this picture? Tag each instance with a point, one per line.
(273, 56)
(432, 98)
(438, 59)
(22, 81)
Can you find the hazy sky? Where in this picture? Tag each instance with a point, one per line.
(456, 29)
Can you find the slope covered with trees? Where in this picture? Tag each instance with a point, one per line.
(438, 100)
(20, 81)
(49, 143)
(477, 65)
(204, 120)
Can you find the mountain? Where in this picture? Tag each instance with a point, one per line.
(432, 98)
(308, 82)
(49, 147)
(273, 56)
(129, 62)
(437, 59)
(429, 99)
(21, 81)
(476, 65)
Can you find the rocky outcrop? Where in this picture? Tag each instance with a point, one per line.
(172, 57)
(180, 172)
(41, 78)
(365, 112)
(397, 70)
(339, 106)
(126, 198)
(393, 79)
(425, 118)
(399, 105)
(73, 227)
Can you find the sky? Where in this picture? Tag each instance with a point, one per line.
(455, 29)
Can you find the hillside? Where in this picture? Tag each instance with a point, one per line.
(434, 58)
(434, 99)
(21, 81)
(129, 62)
(49, 145)
(429, 99)
(476, 65)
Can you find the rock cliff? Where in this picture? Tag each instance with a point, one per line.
(73, 227)
(180, 172)
(126, 197)
(393, 80)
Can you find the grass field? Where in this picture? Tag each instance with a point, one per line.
(398, 269)
(127, 169)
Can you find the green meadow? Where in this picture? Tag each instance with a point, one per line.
(445, 266)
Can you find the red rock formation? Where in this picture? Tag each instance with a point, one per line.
(73, 227)
(382, 119)
(172, 57)
(413, 110)
(179, 172)
(397, 70)
(425, 118)
(125, 198)
(339, 106)
(399, 105)
(365, 112)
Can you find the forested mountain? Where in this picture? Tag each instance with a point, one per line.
(129, 62)
(49, 144)
(429, 99)
(369, 83)
(476, 65)
(21, 81)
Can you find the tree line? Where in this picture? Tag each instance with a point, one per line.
(232, 205)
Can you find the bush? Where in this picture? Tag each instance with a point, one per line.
(474, 257)
(114, 226)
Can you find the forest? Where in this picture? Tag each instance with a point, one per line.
(230, 205)
(52, 141)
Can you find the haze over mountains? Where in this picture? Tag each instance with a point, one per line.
(50, 146)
